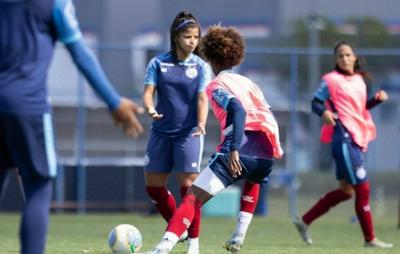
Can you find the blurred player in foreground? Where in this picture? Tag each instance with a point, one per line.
(249, 132)
(29, 30)
(341, 100)
(179, 78)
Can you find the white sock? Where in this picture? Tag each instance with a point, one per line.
(168, 241)
(243, 223)
(193, 241)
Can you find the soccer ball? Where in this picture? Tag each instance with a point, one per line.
(125, 238)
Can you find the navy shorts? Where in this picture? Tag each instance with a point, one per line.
(350, 162)
(182, 154)
(27, 142)
(253, 169)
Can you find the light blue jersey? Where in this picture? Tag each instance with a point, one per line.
(67, 25)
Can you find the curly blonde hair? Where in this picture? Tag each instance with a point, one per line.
(223, 46)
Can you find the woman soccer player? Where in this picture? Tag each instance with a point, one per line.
(179, 77)
(341, 101)
(249, 132)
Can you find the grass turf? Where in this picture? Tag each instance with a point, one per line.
(71, 233)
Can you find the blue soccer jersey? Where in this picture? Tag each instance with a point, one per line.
(177, 85)
(32, 27)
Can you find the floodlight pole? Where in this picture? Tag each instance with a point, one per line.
(315, 25)
(292, 142)
(80, 137)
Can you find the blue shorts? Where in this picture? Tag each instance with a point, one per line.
(350, 162)
(182, 154)
(27, 142)
(253, 169)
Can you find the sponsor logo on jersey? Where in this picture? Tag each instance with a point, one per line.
(164, 66)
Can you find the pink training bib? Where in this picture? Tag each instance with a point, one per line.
(349, 97)
(259, 116)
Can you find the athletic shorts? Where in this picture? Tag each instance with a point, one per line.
(215, 177)
(27, 142)
(182, 154)
(350, 162)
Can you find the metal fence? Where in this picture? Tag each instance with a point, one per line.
(101, 169)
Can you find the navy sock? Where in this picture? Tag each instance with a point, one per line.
(35, 216)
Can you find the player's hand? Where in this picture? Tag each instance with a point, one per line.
(154, 114)
(381, 95)
(329, 118)
(201, 130)
(125, 117)
(235, 169)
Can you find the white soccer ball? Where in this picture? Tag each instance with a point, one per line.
(125, 238)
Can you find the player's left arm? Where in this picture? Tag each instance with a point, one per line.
(202, 101)
(123, 110)
(202, 113)
(379, 97)
(69, 33)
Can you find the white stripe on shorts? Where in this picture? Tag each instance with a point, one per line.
(49, 143)
(209, 182)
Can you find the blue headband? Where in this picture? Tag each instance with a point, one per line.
(184, 23)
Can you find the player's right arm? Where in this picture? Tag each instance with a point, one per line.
(123, 110)
(318, 104)
(150, 81)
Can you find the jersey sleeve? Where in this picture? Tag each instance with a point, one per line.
(222, 97)
(322, 92)
(151, 73)
(205, 77)
(65, 21)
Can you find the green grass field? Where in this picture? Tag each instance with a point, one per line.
(70, 233)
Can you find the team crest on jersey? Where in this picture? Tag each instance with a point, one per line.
(191, 72)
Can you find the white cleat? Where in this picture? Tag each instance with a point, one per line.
(303, 230)
(164, 247)
(376, 243)
(234, 244)
(157, 251)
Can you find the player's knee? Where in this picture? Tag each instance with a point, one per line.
(348, 190)
(157, 193)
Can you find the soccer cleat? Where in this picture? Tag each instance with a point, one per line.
(376, 243)
(164, 247)
(303, 230)
(234, 244)
(157, 251)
